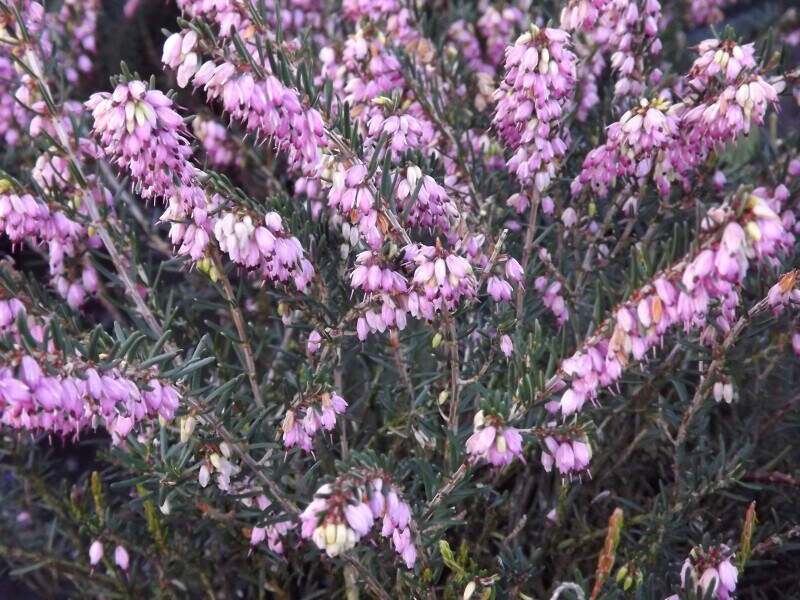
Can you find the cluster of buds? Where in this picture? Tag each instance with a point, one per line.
(264, 105)
(369, 70)
(496, 26)
(273, 533)
(669, 141)
(720, 58)
(732, 112)
(724, 390)
(318, 411)
(267, 248)
(372, 275)
(344, 511)
(66, 37)
(538, 82)
(382, 311)
(386, 294)
(494, 441)
(634, 148)
(628, 33)
(268, 109)
(581, 15)
(97, 551)
(180, 53)
(23, 218)
(76, 23)
(393, 16)
(551, 292)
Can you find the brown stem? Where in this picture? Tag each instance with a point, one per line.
(527, 249)
(399, 361)
(241, 330)
(708, 379)
(454, 372)
(454, 480)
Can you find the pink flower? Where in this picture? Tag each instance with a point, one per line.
(121, 557)
(506, 345)
(95, 552)
(538, 82)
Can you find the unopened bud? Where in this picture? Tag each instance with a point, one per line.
(95, 552)
(437, 340)
(628, 583)
(187, 428)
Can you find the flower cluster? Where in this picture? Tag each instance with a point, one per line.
(266, 247)
(318, 411)
(496, 26)
(667, 142)
(494, 441)
(441, 280)
(581, 15)
(344, 511)
(24, 218)
(42, 391)
(266, 108)
(711, 570)
(404, 132)
(539, 80)
(351, 194)
(498, 286)
(431, 207)
(139, 129)
(625, 31)
(218, 147)
(570, 453)
(683, 294)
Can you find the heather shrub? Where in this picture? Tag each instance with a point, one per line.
(474, 299)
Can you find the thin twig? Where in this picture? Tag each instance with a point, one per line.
(454, 480)
(454, 372)
(527, 248)
(399, 361)
(241, 330)
(708, 379)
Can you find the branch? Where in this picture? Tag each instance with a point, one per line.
(241, 330)
(708, 379)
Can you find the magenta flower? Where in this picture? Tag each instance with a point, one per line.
(317, 413)
(493, 441)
